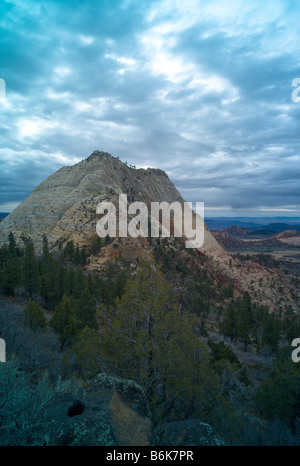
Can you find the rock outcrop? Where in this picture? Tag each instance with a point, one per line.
(106, 411)
(64, 205)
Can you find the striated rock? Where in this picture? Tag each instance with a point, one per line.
(106, 411)
(64, 208)
(191, 432)
(64, 205)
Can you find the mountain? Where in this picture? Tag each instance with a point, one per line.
(277, 224)
(2, 215)
(63, 207)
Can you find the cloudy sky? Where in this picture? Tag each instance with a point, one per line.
(199, 88)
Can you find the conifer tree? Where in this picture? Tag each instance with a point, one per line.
(270, 333)
(63, 322)
(30, 268)
(11, 274)
(86, 351)
(145, 338)
(34, 316)
(12, 245)
(246, 328)
(86, 310)
(77, 256)
(229, 325)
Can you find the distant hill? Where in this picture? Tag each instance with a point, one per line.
(263, 232)
(277, 224)
(3, 215)
(280, 227)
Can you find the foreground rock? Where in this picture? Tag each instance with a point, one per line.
(191, 432)
(106, 411)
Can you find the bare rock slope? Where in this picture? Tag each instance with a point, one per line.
(64, 208)
(64, 205)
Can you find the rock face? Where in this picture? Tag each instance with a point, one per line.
(191, 432)
(106, 411)
(64, 205)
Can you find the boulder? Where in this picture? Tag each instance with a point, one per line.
(105, 411)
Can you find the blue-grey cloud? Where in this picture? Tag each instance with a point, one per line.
(199, 89)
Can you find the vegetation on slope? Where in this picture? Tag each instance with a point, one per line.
(167, 325)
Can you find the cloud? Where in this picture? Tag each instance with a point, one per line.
(199, 89)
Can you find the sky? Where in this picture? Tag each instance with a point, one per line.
(201, 89)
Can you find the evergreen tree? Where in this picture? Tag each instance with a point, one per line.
(229, 326)
(246, 327)
(30, 268)
(96, 246)
(145, 338)
(278, 396)
(77, 256)
(69, 250)
(270, 333)
(46, 254)
(79, 284)
(83, 257)
(34, 316)
(12, 245)
(63, 322)
(11, 274)
(86, 352)
(86, 310)
(292, 330)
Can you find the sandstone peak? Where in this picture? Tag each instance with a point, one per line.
(64, 205)
(98, 154)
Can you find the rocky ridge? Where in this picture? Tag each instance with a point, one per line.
(63, 207)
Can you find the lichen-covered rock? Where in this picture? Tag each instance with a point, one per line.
(106, 411)
(191, 432)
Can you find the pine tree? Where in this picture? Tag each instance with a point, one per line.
(11, 274)
(229, 325)
(63, 322)
(96, 246)
(86, 310)
(77, 256)
(12, 245)
(144, 338)
(246, 327)
(46, 254)
(86, 351)
(270, 333)
(30, 268)
(34, 316)
(79, 284)
(83, 257)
